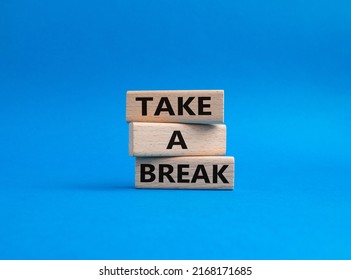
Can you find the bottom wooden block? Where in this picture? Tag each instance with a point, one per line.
(197, 172)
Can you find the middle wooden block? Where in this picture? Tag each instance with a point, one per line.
(173, 139)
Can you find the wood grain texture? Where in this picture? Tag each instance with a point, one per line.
(192, 112)
(153, 139)
(206, 172)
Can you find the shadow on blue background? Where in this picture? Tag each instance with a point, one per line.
(66, 185)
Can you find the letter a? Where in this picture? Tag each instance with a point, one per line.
(169, 109)
(172, 141)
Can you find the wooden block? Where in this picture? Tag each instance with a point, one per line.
(206, 172)
(173, 139)
(183, 106)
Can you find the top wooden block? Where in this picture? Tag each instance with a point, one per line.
(182, 106)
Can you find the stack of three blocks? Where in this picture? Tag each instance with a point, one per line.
(179, 139)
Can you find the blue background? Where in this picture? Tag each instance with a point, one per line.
(66, 185)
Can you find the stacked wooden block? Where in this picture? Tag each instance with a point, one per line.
(179, 139)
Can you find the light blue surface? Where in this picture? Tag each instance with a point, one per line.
(66, 184)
